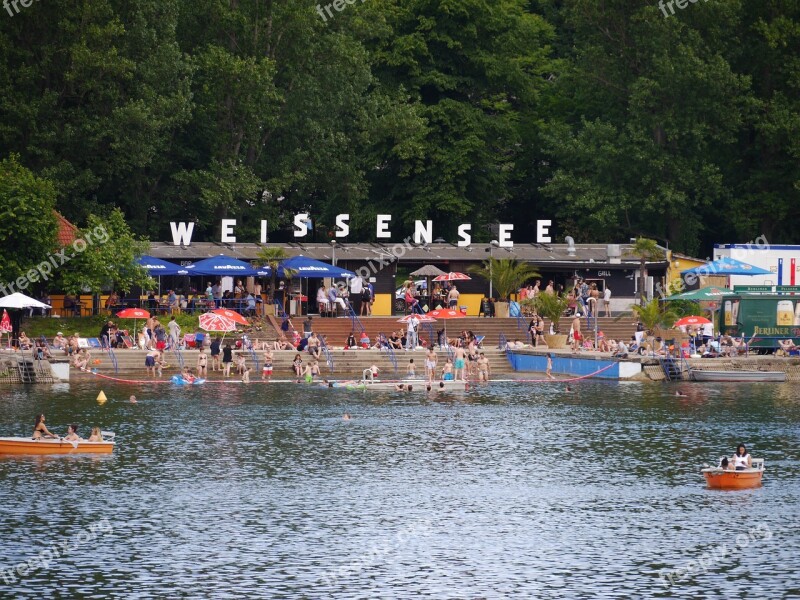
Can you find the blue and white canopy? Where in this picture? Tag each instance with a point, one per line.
(726, 266)
(224, 266)
(157, 267)
(302, 266)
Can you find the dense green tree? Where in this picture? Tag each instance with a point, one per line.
(27, 224)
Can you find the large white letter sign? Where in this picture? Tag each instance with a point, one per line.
(423, 232)
(463, 233)
(504, 235)
(227, 231)
(382, 227)
(182, 233)
(343, 229)
(301, 228)
(542, 233)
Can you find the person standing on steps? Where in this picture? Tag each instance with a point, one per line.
(227, 359)
(430, 365)
(411, 333)
(607, 300)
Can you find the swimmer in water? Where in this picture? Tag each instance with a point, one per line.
(346, 417)
(680, 393)
(569, 390)
(400, 387)
(133, 399)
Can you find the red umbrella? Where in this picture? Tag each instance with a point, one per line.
(211, 321)
(133, 313)
(5, 323)
(691, 321)
(232, 315)
(452, 277)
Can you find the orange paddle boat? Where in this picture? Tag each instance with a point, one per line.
(718, 478)
(17, 446)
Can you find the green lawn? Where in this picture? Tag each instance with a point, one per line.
(90, 326)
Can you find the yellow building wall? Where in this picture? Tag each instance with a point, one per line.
(382, 307)
(676, 265)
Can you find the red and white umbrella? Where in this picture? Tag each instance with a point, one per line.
(5, 323)
(133, 313)
(446, 314)
(453, 277)
(232, 315)
(420, 318)
(691, 321)
(213, 322)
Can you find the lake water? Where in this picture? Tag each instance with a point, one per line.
(506, 491)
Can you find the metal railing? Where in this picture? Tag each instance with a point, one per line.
(354, 320)
(384, 344)
(106, 346)
(326, 352)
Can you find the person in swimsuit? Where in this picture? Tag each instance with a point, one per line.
(72, 434)
(460, 364)
(430, 364)
(187, 375)
(411, 370)
(97, 435)
(40, 430)
(549, 370)
(447, 370)
(246, 374)
(483, 368)
(266, 372)
(202, 362)
(297, 365)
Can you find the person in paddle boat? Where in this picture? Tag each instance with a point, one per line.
(97, 435)
(741, 460)
(40, 430)
(72, 434)
(725, 465)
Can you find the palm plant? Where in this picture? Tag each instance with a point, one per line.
(550, 306)
(646, 250)
(272, 258)
(654, 315)
(506, 274)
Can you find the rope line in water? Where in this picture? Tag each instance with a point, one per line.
(223, 381)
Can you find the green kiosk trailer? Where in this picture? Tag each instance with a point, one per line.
(763, 313)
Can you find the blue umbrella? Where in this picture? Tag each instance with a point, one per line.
(224, 266)
(302, 266)
(726, 266)
(157, 267)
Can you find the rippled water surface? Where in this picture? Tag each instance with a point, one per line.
(506, 491)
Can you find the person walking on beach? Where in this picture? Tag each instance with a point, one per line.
(430, 364)
(227, 359)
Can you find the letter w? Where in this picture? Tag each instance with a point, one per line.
(182, 233)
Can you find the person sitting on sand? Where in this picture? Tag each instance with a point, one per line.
(40, 430)
(72, 434)
(97, 435)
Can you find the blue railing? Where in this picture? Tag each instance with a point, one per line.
(179, 357)
(354, 320)
(111, 354)
(386, 345)
(327, 353)
(248, 345)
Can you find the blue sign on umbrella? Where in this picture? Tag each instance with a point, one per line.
(726, 266)
(223, 266)
(302, 266)
(157, 267)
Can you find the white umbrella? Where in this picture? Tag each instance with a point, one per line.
(17, 300)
